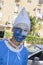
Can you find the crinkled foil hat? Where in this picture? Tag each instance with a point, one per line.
(22, 18)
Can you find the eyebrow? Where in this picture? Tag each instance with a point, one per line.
(21, 28)
(17, 27)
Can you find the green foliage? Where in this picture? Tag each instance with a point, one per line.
(8, 34)
(33, 22)
(34, 39)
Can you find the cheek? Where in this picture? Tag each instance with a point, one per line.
(16, 33)
(24, 33)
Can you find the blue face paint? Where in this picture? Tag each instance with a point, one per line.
(17, 33)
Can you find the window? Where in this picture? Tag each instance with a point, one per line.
(40, 1)
(29, 1)
(38, 14)
(16, 8)
(1, 4)
(34, 9)
(17, 0)
(39, 10)
(8, 21)
(1, 34)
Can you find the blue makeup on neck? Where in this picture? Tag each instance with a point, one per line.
(17, 33)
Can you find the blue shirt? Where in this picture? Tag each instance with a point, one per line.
(8, 57)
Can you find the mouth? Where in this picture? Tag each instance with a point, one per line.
(20, 36)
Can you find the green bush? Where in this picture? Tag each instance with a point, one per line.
(33, 22)
(8, 34)
(34, 39)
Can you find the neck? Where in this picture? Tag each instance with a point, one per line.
(15, 42)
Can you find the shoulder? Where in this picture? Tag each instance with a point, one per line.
(2, 41)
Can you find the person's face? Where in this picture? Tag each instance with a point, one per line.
(20, 32)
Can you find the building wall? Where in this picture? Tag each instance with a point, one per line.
(9, 6)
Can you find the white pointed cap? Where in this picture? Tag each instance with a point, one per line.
(22, 18)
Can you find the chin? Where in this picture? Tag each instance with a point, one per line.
(19, 42)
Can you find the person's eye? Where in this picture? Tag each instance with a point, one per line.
(25, 30)
(18, 28)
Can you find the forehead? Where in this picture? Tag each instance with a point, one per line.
(22, 25)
